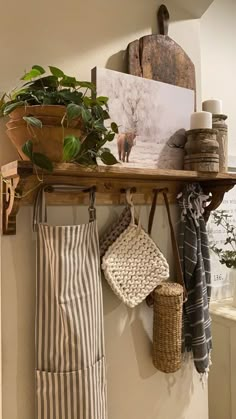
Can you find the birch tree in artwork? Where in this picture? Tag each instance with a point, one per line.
(156, 114)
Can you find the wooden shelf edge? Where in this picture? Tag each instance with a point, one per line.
(25, 168)
(20, 182)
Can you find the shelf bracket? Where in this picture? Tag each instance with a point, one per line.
(217, 197)
(10, 205)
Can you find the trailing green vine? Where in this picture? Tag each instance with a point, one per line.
(81, 103)
(226, 256)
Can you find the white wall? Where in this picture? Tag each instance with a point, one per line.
(76, 36)
(218, 34)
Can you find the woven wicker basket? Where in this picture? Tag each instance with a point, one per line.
(167, 327)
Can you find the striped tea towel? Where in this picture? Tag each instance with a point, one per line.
(195, 259)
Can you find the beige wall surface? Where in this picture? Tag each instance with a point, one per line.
(218, 58)
(77, 35)
(218, 34)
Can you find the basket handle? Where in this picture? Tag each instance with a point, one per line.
(175, 249)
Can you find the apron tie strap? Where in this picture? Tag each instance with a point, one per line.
(40, 208)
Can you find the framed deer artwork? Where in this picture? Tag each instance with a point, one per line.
(152, 117)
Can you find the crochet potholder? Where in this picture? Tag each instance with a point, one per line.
(134, 265)
(115, 230)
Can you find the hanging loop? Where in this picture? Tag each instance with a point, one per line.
(163, 18)
(153, 208)
(92, 209)
(129, 200)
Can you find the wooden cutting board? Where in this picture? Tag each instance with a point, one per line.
(158, 57)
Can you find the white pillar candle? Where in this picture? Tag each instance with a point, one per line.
(214, 106)
(201, 120)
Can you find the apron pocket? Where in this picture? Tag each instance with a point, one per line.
(72, 395)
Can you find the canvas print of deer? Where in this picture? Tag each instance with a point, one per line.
(152, 117)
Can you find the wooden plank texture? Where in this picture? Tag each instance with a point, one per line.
(158, 57)
(25, 168)
(21, 182)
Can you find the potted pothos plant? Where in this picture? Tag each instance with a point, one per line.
(54, 117)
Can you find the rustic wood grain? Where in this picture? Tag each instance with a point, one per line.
(21, 182)
(158, 57)
(202, 150)
(67, 170)
(163, 18)
(222, 138)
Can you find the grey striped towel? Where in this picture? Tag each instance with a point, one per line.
(195, 259)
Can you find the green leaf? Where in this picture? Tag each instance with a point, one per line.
(27, 149)
(102, 100)
(86, 85)
(91, 142)
(97, 111)
(71, 147)
(46, 81)
(9, 108)
(42, 161)
(110, 136)
(100, 145)
(2, 104)
(31, 74)
(73, 111)
(103, 149)
(68, 96)
(86, 115)
(68, 81)
(88, 101)
(87, 159)
(56, 72)
(49, 99)
(2, 97)
(114, 127)
(39, 68)
(106, 115)
(108, 158)
(99, 126)
(17, 93)
(31, 120)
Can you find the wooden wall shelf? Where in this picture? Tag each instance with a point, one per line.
(20, 182)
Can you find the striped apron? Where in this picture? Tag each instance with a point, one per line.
(70, 363)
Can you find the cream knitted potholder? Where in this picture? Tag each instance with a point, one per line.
(133, 265)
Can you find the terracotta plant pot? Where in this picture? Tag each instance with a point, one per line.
(43, 110)
(46, 120)
(47, 140)
(47, 114)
